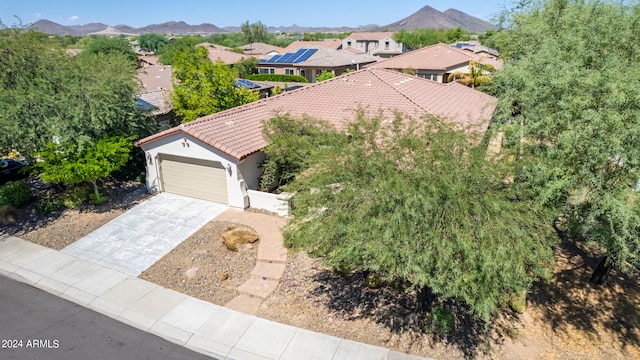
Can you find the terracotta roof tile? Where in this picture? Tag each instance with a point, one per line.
(155, 77)
(440, 57)
(238, 131)
(334, 44)
(157, 85)
(260, 49)
(324, 57)
(220, 52)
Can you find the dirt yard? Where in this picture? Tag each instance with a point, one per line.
(565, 319)
(203, 267)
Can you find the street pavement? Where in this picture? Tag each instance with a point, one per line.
(37, 325)
(107, 286)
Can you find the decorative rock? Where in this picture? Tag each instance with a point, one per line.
(235, 237)
(224, 276)
(191, 272)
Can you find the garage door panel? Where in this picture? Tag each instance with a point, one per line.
(197, 178)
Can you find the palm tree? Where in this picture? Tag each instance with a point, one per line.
(478, 74)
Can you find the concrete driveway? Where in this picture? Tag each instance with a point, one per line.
(137, 239)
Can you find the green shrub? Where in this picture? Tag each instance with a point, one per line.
(269, 178)
(325, 75)
(74, 197)
(98, 199)
(15, 193)
(47, 205)
(277, 77)
(518, 303)
(373, 281)
(49, 201)
(441, 321)
(8, 214)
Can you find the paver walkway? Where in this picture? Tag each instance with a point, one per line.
(198, 325)
(137, 239)
(270, 264)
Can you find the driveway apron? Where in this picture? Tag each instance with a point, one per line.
(137, 239)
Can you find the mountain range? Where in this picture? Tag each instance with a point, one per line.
(427, 17)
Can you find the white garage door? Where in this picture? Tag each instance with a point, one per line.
(202, 179)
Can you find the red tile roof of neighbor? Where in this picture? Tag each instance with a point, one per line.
(220, 52)
(238, 131)
(260, 48)
(435, 57)
(156, 85)
(334, 44)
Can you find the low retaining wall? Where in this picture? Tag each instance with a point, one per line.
(277, 203)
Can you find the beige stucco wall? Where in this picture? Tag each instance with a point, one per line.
(249, 170)
(370, 47)
(187, 146)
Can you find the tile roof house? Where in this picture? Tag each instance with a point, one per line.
(261, 50)
(310, 62)
(333, 44)
(373, 43)
(217, 157)
(222, 52)
(436, 62)
(477, 48)
(155, 94)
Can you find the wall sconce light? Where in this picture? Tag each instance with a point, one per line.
(185, 142)
(228, 167)
(149, 159)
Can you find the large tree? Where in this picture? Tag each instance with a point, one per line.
(178, 45)
(254, 32)
(108, 45)
(569, 95)
(152, 42)
(74, 163)
(417, 201)
(48, 95)
(421, 37)
(203, 87)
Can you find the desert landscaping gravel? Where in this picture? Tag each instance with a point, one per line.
(565, 319)
(203, 267)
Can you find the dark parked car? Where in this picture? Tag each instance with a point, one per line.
(11, 170)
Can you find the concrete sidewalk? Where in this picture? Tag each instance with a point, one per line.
(198, 325)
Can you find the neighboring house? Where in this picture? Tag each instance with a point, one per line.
(373, 43)
(218, 52)
(264, 90)
(217, 157)
(261, 50)
(476, 48)
(436, 62)
(310, 62)
(333, 44)
(155, 95)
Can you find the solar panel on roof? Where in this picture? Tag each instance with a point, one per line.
(272, 59)
(304, 54)
(244, 83)
(291, 58)
(288, 58)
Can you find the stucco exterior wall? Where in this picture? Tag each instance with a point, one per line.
(371, 47)
(186, 146)
(249, 170)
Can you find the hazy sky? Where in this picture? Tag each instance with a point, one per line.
(138, 13)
